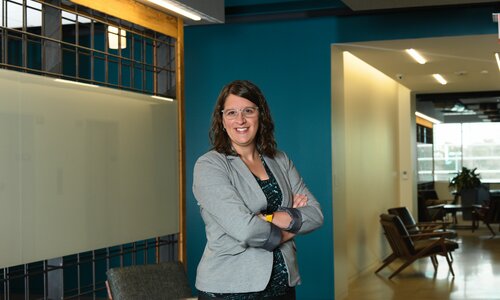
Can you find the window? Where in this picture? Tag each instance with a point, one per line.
(424, 154)
(473, 145)
(425, 162)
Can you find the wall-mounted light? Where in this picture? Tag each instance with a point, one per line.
(75, 82)
(177, 9)
(416, 56)
(162, 98)
(117, 38)
(440, 79)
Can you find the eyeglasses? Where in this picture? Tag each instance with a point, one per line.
(247, 112)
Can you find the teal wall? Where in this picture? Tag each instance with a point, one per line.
(290, 61)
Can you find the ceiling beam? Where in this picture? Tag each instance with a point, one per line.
(136, 13)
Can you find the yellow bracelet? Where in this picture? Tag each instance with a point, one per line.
(269, 218)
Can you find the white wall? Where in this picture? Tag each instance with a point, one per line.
(368, 161)
(407, 150)
(339, 180)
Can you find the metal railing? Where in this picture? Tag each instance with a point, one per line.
(60, 39)
(83, 274)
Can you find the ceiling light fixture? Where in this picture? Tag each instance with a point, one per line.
(416, 56)
(498, 60)
(177, 9)
(440, 79)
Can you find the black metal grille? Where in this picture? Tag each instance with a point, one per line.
(82, 275)
(60, 39)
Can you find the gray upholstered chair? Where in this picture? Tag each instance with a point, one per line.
(163, 281)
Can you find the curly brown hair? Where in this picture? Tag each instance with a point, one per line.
(266, 144)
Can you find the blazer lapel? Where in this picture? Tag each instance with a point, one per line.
(280, 178)
(253, 196)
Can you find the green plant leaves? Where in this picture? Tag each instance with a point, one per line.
(466, 179)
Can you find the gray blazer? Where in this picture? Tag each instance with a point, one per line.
(234, 260)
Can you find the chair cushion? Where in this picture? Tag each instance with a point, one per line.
(421, 244)
(404, 214)
(401, 229)
(166, 280)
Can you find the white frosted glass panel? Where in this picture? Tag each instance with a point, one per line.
(95, 167)
(10, 192)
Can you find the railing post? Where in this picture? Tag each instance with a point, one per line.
(55, 278)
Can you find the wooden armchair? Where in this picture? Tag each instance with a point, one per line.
(406, 248)
(421, 227)
(489, 214)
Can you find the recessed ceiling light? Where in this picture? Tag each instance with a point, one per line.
(440, 79)
(498, 60)
(416, 56)
(176, 8)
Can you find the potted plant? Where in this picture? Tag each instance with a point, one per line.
(465, 179)
(466, 184)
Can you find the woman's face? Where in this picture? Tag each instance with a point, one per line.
(241, 121)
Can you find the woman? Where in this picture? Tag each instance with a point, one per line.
(253, 202)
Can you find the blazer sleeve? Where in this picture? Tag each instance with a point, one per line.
(312, 216)
(218, 197)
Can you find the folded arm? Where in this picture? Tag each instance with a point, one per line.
(223, 203)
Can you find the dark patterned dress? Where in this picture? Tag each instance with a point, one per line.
(277, 288)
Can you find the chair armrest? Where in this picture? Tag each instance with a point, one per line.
(427, 235)
(435, 206)
(440, 223)
(434, 225)
(411, 226)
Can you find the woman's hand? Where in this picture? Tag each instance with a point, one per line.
(281, 219)
(262, 217)
(299, 200)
